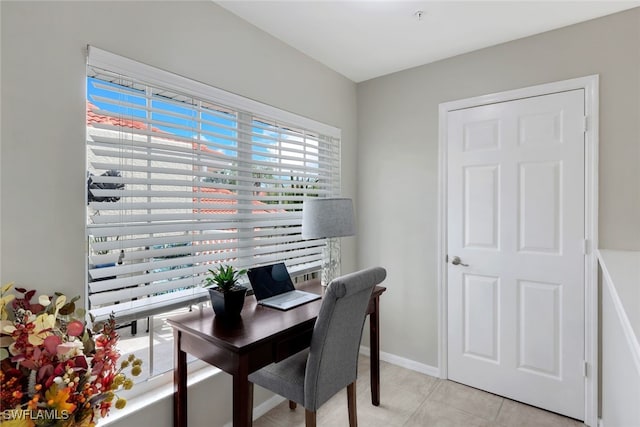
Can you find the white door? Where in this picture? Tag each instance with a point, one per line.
(516, 219)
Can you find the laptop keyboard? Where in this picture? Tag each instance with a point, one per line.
(285, 298)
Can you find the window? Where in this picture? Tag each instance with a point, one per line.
(182, 176)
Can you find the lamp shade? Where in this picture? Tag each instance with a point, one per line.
(327, 217)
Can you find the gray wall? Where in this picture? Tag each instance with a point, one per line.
(398, 156)
(42, 174)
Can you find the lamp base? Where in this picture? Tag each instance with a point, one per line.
(330, 261)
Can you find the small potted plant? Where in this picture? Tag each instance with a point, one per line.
(227, 297)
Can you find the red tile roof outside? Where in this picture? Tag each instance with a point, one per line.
(230, 202)
(95, 118)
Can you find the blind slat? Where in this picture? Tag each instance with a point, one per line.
(201, 242)
(119, 165)
(203, 226)
(157, 259)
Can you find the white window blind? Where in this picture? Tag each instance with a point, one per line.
(183, 176)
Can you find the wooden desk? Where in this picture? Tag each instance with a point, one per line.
(261, 336)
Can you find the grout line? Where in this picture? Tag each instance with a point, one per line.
(438, 383)
(499, 409)
(465, 410)
(418, 407)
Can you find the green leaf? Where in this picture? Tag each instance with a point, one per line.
(68, 308)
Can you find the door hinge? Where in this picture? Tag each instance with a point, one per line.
(585, 123)
(586, 249)
(585, 369)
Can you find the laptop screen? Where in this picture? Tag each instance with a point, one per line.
(270, 280)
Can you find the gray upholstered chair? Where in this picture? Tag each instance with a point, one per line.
(312, 376)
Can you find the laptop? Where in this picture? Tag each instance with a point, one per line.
(273, 287)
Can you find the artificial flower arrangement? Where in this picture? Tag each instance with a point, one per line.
(55, 371)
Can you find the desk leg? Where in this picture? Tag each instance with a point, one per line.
(242, 395)
(179, 383)
(374, 331)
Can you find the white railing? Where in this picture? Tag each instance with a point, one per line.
(620, 336)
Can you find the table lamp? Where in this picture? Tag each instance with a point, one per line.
(328, 218)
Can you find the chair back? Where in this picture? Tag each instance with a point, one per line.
(335, 344)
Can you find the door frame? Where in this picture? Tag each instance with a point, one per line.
(590, 84)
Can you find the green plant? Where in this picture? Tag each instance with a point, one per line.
(224, 277)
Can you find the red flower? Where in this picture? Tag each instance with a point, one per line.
(75, 328)
(25, 301)
(51, 343)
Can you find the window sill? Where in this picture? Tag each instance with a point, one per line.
(158, 388)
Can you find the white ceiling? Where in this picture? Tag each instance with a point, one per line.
(365, 39)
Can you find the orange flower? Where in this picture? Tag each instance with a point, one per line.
(57, 399)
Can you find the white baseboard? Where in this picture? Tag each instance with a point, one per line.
(404, 362)
(267, 405)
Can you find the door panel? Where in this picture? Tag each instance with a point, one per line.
(515, 210)
(540, 129)
(539, 328)
(482, 135)
(540, 207)
(481, 206)
(481, 317)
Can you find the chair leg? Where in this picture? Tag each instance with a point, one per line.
(309, 418)
(292, 405)
(351, 403)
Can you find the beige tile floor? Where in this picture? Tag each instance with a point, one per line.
(411, 399)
